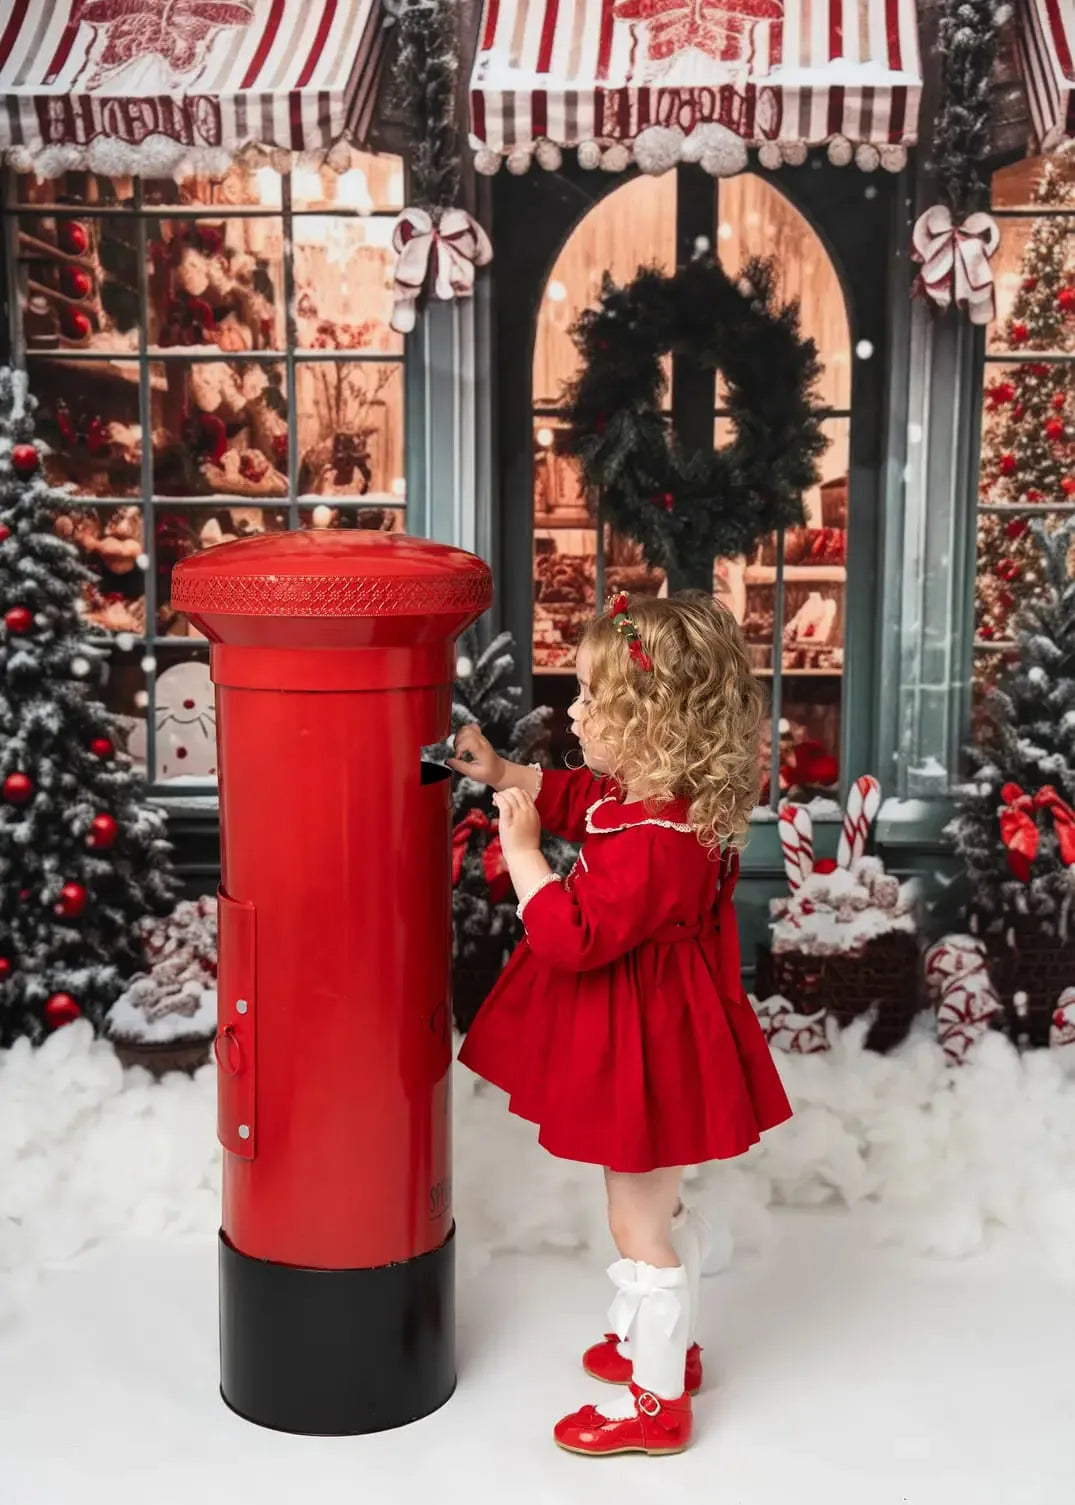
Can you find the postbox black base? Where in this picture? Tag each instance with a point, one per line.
(337, 1352)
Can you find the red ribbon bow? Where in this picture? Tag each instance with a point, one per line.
(493, 865)
(1019, 828)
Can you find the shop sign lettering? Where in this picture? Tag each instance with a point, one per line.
(78, 119)
(751, 112)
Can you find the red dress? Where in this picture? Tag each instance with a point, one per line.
(621, 1026)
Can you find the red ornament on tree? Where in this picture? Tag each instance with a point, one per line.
(1065, 299)
(76, 325)
(986, 631)
(1000, 392)
(1007, 464)
(101, 747)
(1008, 570)
(19, 619)
(72, 237)
(5, 533)
(1020, 334)
(75, 283)
(1067, 485)
(18, 788)
(1054, 429)
(665, 499)
(1033, 495)
(61, 1009)
(1030, 283)
(103, 832)
(1059, 401)
(5, 969)
(24, 458)
(1018, 410)
(72, 901)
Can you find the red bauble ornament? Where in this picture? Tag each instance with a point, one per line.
(75, 283)
(1020, 334)
(1015, 527)
(1032, 495)
(1067, 485)
(103, 832)
(76, 325)
(101, 747)
(19, 619)
(1065, 299)
(5, 533)
(61, 1009)
(1008, 570)
(1000, 392)
(72, 901)
(72, 237)
(1030, 283)
(985, 631)
(1007, 464)
(1054, 429)
(5, 969)
(1059, 401)
(24, 458)
(18, 788)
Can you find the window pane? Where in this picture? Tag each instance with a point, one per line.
(1010, 571)
(216, 282)
(373, 519)
(111, 544)
(184, 717)
(1028, 433)
(220, 429)
(350, 429)
(88, 416)
(344, 273)
(369, 184)
(78, 283)
(182, 531)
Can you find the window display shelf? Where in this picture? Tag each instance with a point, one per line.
(821, 574)
(801, 673)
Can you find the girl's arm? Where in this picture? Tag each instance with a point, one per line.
(562, 798)
(476, 758)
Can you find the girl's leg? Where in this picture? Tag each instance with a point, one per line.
(640, 1213)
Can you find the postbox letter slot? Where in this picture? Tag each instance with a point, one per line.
(235, 1044)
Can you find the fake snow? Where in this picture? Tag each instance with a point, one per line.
(108, 1372)
(841, 911)
(820, 810)
(128, 1022)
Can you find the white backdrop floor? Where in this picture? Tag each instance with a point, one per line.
(839, 1373)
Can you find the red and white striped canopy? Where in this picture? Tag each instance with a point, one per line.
(1047, 47)
(791, 71)
(140, 85)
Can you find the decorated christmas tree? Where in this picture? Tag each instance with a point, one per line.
(1028, 446)
(83, 857)
(483, 905)
(1015, 827)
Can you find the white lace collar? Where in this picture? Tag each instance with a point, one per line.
(601, 820)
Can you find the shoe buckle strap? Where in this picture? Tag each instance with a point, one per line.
(648, 1403)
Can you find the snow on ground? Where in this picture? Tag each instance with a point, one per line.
(849, 1365)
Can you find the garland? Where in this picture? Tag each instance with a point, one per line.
(688, 510)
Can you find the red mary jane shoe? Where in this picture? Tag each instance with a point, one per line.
(657, 1427)
(605, 1362)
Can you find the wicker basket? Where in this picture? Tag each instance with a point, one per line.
(884, 975)
(1037, 965)
(162, 1056)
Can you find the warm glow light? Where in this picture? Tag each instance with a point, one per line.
(306, 185)
(399, 486)
(378, 231)
(268, 185)
(544, 437)
(353, 191)
(557, 292)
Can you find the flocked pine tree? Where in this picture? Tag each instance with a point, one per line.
(1016, 841)
(1028, 445)
(483, 905)
(83, 857)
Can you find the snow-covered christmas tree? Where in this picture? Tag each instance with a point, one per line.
(483, 905)
(1015, 825)
(83, 857)
(1028, 444)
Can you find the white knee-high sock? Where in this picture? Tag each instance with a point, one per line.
(650, 1310)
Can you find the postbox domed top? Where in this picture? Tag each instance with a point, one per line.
(329, 574)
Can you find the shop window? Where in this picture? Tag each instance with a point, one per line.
(210, 359)
(1027, 473)
(791, 597)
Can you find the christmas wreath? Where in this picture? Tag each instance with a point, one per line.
(686, 510)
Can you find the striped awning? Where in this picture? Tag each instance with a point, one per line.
(778, 74)
(1047, 50)
(142, 86)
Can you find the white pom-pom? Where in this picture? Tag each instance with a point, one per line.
(125, 641)
(658, 149)
(80, 667)
(719, 151)
(616, 159)
(549, 156)
(49, 163)
(770, 156)
(463, 667)
(486, 162)
(867, 157)
(589, 155)
(20, 159)
(893, 157)
(794, 153)
(518, 161)
(840, 151)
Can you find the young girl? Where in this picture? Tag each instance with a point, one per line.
(620, 1026)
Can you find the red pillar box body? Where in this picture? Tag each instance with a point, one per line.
(333, 660)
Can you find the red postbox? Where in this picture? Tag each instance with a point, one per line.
(333, 660)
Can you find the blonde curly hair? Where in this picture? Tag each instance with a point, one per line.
(688, 728)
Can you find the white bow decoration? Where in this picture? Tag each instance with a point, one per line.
(955, 261)
(632, 1287)
(443, 254)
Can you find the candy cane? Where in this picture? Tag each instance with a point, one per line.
(796, 843)
(863, 803)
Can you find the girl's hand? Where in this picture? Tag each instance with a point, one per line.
(482, 763)
(520, 823)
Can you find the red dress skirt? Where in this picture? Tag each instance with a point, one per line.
(620, 1026)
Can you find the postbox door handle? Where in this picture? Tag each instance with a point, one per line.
(235, 1046)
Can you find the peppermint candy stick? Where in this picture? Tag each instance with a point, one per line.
(796, 843)
(863, 803)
